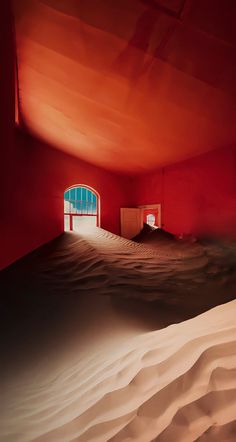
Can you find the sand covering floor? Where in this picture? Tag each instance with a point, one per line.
(79, 366)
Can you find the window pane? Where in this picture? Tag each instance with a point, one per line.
(80, 201)
(83, 221)
(72, 194)
(66, 195)
(66, 223)
(151, 219)
(75, 223)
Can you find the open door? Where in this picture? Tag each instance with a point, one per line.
(152, 214)
(131, 222)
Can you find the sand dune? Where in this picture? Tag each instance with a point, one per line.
(78, 366)
(171, 384)
(125, 268)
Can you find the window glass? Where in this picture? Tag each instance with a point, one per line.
(80, 203)
(66, 223)
(151, 219)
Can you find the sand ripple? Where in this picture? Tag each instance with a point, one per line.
(125, 268)
(175, 384)
(93, 377)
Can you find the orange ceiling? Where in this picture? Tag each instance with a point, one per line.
(129, 85)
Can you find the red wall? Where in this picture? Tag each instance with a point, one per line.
(198, 195)
(7, 98)
(34, 175)
(34, 203)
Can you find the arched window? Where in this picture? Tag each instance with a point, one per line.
(81, 207)
(151, 219)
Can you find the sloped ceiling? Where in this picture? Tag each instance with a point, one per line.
(129, 85)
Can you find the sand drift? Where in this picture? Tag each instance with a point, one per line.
(78, 366)
(172, 271)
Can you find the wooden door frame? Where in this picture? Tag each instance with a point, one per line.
(153, 206)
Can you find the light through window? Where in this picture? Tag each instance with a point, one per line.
(81, 207)
(151, 220)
